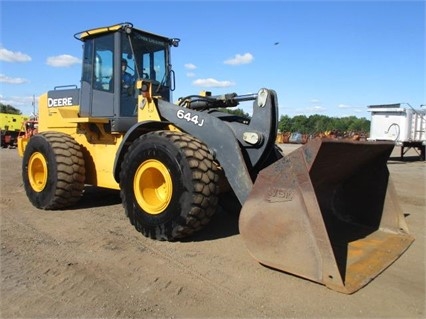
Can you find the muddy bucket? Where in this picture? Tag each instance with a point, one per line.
(327, 212)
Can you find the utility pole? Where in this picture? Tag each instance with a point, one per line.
(34, 108)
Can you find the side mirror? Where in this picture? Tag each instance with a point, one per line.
(174, 42)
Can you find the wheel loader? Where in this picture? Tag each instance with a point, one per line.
(327, 212)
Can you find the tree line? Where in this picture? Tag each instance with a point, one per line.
(9, 109)
(315, 124)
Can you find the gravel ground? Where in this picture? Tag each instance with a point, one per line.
(89, 262)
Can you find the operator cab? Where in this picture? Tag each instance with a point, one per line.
(115, 60)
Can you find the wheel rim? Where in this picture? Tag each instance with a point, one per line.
(37, 172)
(153, 186)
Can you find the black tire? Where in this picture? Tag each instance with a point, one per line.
(168, 184)
(53, 170)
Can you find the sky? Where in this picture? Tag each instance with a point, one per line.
(331, 58)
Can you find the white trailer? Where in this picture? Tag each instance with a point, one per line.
(400, 123)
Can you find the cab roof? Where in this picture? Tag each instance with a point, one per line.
(128, 26)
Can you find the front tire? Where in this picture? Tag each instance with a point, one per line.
(53, 170)
(168, 183)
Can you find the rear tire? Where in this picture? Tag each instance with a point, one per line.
(53, 170)
(168, 183)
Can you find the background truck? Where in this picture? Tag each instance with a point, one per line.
(401, 124)
(326, 212)
(10, 127)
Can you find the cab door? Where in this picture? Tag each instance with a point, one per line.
(97, 89)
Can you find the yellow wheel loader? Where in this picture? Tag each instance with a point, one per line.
(326, 212)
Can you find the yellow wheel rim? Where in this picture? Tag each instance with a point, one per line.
(153, 187)
(37, 172)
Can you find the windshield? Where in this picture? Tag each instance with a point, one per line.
(150, 57)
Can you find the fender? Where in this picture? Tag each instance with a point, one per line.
(132, 134)
(219, 138)
(214, 133)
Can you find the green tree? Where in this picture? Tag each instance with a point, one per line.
(284, 124)
(359, 125)
(238, 112)
(9, 109)
(319, 123)
(300, 124)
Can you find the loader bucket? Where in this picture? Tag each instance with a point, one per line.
(327, 212)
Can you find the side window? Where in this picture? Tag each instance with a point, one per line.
(87, 74)
(127, 63)
(152, 65)
(147, 68)
(159, 63)
(103, 65)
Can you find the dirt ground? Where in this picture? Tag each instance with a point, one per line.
(89, 262)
